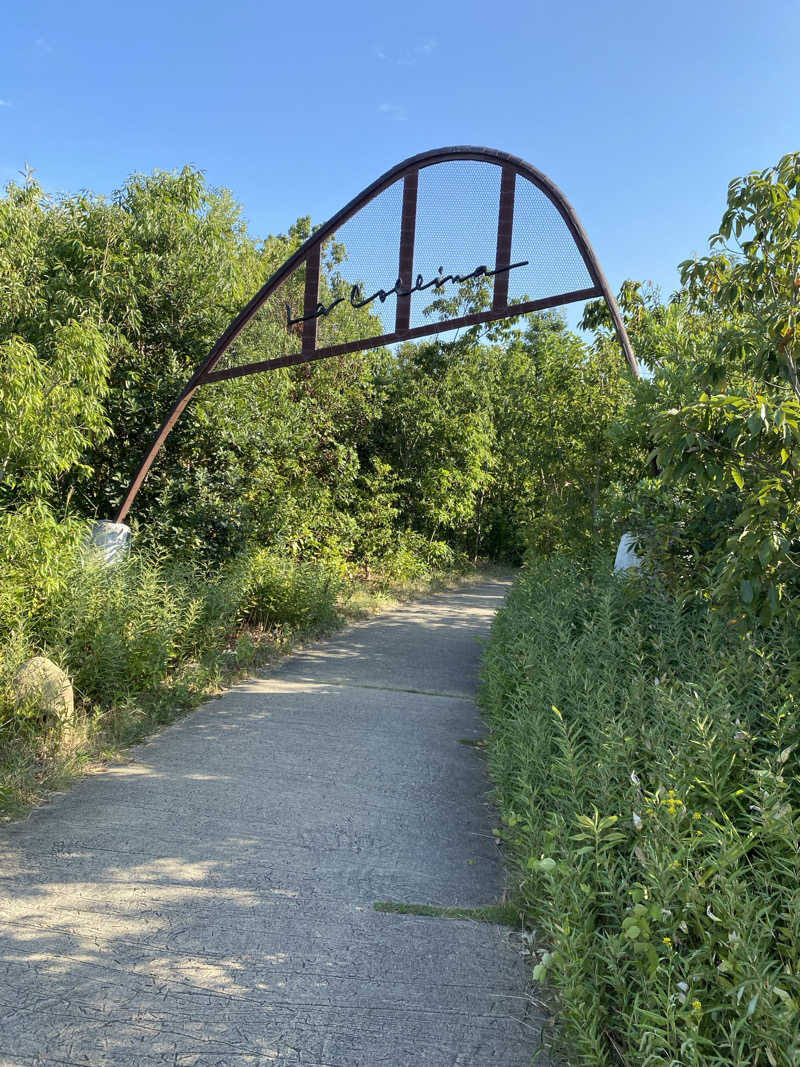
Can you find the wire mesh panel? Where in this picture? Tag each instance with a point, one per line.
(455, 239)
(267, 334)
(355, 292)
(364, 254)
(540, 237)
(457, 211)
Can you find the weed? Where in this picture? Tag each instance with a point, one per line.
(503, 914)
(645, 761)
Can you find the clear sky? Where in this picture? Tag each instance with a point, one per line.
(641, 112)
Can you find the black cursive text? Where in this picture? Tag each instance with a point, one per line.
(358, 300)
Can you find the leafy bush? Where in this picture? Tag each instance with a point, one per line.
(281, 591)
(645, 763)
(721, 412)
(37, 557)
(122, 628)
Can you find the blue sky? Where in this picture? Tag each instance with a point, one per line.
(641, 113)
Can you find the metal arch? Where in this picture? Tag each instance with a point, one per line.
(309, 253)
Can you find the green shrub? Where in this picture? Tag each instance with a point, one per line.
(645, 763)
(413, 556)
(282, 591)
(121, 628)
(37, 557)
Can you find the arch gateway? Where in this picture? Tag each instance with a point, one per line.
(449, 238)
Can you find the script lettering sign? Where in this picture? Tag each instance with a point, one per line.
(358, 300)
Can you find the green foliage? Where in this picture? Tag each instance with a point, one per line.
(38, 555)
(502, 914)
(753, 279)
(107, 306)
(437, 435)
(122, 629)
(51, 408)
(277, 591)
(721, 409)
(498, 447)
(644, 759)
(559, 451)
(743, 453)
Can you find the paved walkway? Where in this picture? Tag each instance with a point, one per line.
(211, 902)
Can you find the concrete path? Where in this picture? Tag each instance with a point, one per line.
(211, 902)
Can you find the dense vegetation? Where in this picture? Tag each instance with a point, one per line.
(644, 728)
(107, 307)
(645, 759)
(652, 816)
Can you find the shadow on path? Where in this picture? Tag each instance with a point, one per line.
(212, 901)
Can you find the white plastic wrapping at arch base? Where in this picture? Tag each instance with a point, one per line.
(108, 542)
(627, 559)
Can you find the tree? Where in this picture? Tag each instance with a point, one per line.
(53, 359)
(738, 442)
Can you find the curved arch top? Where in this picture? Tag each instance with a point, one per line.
(308, 257)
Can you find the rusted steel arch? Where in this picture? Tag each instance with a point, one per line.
(309, 255)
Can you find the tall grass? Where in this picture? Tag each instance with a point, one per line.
(645, 763)
(143, 640)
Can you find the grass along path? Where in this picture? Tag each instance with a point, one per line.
(35, 760)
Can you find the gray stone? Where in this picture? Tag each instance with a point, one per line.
(212, 901)
(41, 682)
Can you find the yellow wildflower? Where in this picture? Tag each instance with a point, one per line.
(673, 802)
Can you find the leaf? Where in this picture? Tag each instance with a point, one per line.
(754, 424)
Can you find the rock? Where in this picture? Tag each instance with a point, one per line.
(39, 680)
(627, 560)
